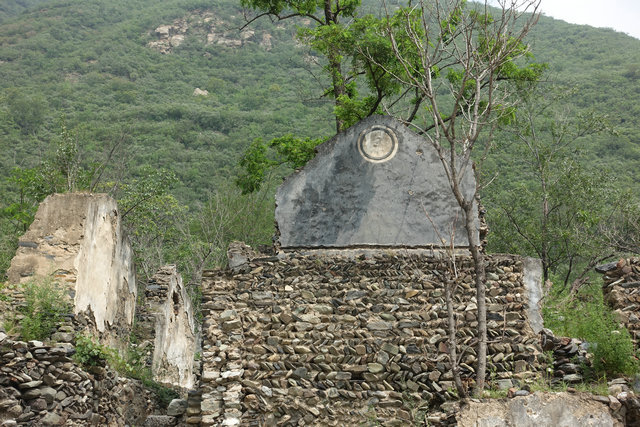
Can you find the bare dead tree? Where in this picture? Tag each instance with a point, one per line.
(469, 52)
(450, 288)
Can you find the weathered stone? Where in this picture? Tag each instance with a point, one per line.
(538, 409)
(52, 419)
(28, 385)
(159, 421)
(38, 404)
(390, 348)
(80, 236)
(572, 378)
(232, 325)
(375, 368)
(383, 358)
(379, 326)
(303, 326)
(301, 349)
(177, 407)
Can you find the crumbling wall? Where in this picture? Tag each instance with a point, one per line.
(42, 385)
(335, 340)
(621, 290)
(78, 239)
(169, 321)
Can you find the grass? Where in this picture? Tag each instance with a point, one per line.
(587, 317)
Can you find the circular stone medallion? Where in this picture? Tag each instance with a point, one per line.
(377, 144)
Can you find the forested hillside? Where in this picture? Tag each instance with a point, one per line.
(116, 79)
(11, 8)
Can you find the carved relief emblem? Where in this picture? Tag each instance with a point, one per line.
(377, 144)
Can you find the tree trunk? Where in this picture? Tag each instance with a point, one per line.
(339, 88)
(479, 267)
(335, 65)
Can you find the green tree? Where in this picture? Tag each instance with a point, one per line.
(26, 111)
(150, 214)
(327, 16)
(361, 66)
(260, 158)
(558, 209)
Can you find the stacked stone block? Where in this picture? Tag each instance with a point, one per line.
(621, 290)
(42, 385)
(332, 340)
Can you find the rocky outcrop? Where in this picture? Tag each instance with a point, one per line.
(208, 28)
(334, 340)
(78, 239)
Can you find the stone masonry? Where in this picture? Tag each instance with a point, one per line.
(338, 340)
(41, 385)
(621, 291)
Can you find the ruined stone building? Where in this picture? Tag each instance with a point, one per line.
(347, 322)
(344, 323)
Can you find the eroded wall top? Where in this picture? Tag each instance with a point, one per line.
(376, 184)
(78, 239)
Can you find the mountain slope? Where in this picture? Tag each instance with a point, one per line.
(11, 8)
(100, 63)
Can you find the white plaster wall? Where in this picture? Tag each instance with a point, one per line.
(105, 273)
(175, 342)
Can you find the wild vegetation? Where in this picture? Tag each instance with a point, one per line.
(87, 103)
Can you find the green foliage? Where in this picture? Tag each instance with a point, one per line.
(562, 212)
(26, 111)
(45, 304)
(227, 215)
(256, 164)
(57, 172)
(587, 317)
(89, 352)
(150, 212)
(8, 246)
(260, 158)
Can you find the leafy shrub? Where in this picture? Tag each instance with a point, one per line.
(45, 304)
(89, 352)
(587, 317)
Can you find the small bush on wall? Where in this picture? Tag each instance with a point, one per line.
(44, 306)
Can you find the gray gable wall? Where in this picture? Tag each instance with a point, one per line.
(371, 186)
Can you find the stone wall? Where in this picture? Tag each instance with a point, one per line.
(621, 291)
(333, 340)
(42, 385)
